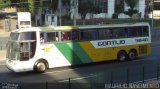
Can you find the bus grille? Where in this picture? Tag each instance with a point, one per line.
(142, 49)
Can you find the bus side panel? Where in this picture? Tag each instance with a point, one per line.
(97, 54)
(144, 49)
(85, 52)
(73, 53)
(110, 53)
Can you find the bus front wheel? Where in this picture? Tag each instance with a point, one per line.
(41, 67)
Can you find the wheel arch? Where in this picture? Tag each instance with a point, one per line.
(41, 60)
(135, 50)
(122, 50)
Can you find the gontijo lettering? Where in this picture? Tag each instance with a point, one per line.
(108, 43)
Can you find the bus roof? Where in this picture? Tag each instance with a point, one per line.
(70, 28)
(48, 28)
(51, 28)
(114, 25)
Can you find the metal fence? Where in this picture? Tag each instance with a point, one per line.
(121, 78)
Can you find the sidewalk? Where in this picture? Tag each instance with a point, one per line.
(3, 52)
(4, 34)
(2, 55)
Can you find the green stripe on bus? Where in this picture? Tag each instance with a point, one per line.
(78, 50)
(68, 53)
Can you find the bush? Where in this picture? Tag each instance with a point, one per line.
(115, 16)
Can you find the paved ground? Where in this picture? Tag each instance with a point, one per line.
(2, 55)
(3, 52)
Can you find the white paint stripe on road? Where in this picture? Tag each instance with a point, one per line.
(60, 71)
(92, 75)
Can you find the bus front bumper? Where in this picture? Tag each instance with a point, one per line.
(18, 66)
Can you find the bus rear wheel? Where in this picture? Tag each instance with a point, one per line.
(132, 54)
(121, 56)
(41, 67)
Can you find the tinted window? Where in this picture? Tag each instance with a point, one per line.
(52, 36)
(134, 31)
(75, 35)
(145, 31)
(88, 35)
(28, 36)
(105, 33)
(66, 36)
(119, 33)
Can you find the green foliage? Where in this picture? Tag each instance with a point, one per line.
(119, 8)
(83, 8)
(130, 12)
(87, 6)
(31, 6)
(54, 4)
(131, 4)
(4, 3)
(115, 16)
(148, 8)
(66, 2)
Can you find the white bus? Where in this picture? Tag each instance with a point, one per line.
(41, 48)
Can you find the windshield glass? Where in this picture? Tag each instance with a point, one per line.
(21, 46)
(27, 36)
(13, 50)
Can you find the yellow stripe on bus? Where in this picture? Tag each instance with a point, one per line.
(103, 54)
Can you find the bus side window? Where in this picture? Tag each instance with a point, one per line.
(94, 35)
(52, 36)
(43, 37)
(85, 35)
(145, 31)
(75, 35)
(66, 36)
(119, 32)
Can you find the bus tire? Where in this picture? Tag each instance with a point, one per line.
(121, 56)
(41, 66)
(132, 54)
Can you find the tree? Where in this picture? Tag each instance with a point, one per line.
(148, 8)
(31, 6)
(119, 7)
(87, 6)
(4, 3)
(54, 4)
(131, 4)
(83, 8)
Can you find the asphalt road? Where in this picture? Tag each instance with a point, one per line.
(115, 72)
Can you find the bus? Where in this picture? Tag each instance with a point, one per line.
(40, 48)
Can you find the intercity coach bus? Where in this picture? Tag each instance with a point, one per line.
(40, 48)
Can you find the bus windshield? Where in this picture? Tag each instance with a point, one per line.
(21, 46)
(13, 50)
